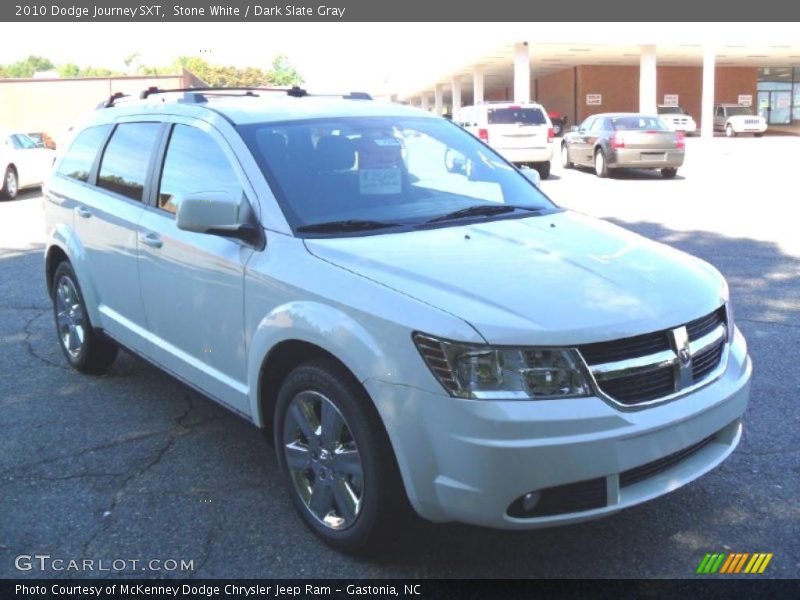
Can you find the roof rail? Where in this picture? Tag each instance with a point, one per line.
(198, 95)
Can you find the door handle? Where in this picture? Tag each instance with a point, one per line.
(151, 239)
(82, 212)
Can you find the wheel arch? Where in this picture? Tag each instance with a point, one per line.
(62, 245)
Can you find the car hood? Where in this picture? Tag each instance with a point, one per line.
(557, 279)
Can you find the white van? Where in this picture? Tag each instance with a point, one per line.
(521, 133)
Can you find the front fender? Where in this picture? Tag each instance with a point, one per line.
(63, 237)
(321, 325)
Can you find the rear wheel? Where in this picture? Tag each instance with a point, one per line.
(336, 458)
(565, 161)
(10, 187)
(83, 348)
(600, 166)
(543, 168)
(729, 132)
(558, 127)
(669, 173)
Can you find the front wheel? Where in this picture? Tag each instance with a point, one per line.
(10, 187)
(729, 132)
(336, 458)
(669, 173)
(759, 134)
(600, 166)
(83, 347)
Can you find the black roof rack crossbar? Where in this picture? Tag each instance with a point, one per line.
(292, 91)
(111, 100)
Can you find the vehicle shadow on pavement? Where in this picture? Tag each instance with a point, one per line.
(135, 464)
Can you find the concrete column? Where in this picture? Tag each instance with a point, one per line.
(647, 80)
(438, 100)
(522, 73)
(707, 94)
(424, 102)
(477, 84)
(455, 83)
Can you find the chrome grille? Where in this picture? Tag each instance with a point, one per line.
(660, 365)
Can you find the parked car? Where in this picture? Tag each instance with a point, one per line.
(42, 140)
(22, 163)
(677, 119)
(522, 133)
(734, 119)
(430, 331)
(559, 121)
(611, 141)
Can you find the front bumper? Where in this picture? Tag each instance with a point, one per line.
(646, 158)
(469, 460)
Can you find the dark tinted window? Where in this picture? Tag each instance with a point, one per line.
(79, 158)
(194, 164)
(127, 156)
(637, 123)
(513, 116)
(671, 110)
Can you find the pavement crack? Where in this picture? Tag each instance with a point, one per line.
(208, 548)
(178, 429)
(26, 341)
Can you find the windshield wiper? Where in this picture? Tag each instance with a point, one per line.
(482, 210)
(345, 225)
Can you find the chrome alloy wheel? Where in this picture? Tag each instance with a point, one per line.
(11, 183)
(323, 460)
(70, 317)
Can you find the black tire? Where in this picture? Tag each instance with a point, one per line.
(600, 164)
(558, 128)
(543, 168)
(565, 161)
(758, 134)
(669, 173)
(383, 504)
(729, 132)
(10, 187)
(93, 353)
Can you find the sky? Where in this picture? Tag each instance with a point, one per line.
(336, 57)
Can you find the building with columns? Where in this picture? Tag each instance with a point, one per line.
(581, 79)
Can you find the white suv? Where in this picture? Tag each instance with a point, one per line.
(521, 133)
(411, 320)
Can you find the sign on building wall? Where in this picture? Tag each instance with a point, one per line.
(746, 99)
(594, 99)
(671, 99)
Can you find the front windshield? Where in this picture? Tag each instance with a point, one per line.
(739, 110)
(389, 172)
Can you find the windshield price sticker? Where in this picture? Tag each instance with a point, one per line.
(379, 181)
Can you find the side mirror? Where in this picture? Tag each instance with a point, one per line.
(216, 213)
(532, 175)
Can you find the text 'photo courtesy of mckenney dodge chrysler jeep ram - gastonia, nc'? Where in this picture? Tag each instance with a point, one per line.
(416, 326)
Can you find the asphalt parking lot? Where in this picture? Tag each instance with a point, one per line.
(135, 465)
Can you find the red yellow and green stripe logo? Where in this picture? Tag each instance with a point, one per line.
(734, 562)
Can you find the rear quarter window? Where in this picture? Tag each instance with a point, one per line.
(77, 162)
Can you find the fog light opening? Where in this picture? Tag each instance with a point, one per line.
(530, 500)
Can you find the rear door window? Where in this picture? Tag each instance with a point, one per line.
(516, 116)
(127, 158)
(637, 123)
(77, 162)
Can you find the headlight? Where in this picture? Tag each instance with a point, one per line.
(503, 373)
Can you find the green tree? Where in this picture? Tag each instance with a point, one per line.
(283, 73)
(28, 66)
(69, 70)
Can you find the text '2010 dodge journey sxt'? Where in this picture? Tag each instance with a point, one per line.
(409, 317)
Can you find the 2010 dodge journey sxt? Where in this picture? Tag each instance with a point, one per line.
(409, 317)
